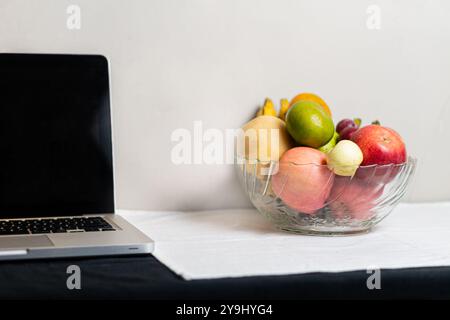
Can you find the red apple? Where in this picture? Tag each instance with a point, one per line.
(303, 180)
(354, 198)
(380, 145)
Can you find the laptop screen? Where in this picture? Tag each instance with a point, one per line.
(55, 135)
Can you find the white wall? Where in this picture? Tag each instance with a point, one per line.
(176, 61)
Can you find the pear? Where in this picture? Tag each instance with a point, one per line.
(258, 139)
(345, 158)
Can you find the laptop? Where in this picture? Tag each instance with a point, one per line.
(56, 160)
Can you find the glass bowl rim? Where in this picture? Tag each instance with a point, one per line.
(409, 161)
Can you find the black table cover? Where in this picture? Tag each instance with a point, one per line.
(144, 277)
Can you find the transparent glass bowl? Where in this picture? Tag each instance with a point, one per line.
(311, 199)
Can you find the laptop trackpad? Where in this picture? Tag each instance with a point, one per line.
(25, 242)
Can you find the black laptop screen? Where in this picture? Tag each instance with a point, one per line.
(55, 135)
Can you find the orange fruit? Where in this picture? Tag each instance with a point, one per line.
(311, 97)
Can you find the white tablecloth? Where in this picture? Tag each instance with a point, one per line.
(235, 243)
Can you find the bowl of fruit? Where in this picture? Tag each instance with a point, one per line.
(308, 176)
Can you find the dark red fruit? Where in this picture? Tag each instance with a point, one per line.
(347, 133)
(345, 123)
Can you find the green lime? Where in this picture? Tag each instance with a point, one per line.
(309, 124)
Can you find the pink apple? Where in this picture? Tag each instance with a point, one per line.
(353, 197)
(380, 145)
(303, 180)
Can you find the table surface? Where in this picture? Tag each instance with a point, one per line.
(144, 277)
(223, 243)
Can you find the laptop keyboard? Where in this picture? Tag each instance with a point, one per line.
(54, 225)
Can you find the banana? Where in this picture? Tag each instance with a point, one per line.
(260, 112)
(267, 109)
(284, 106)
